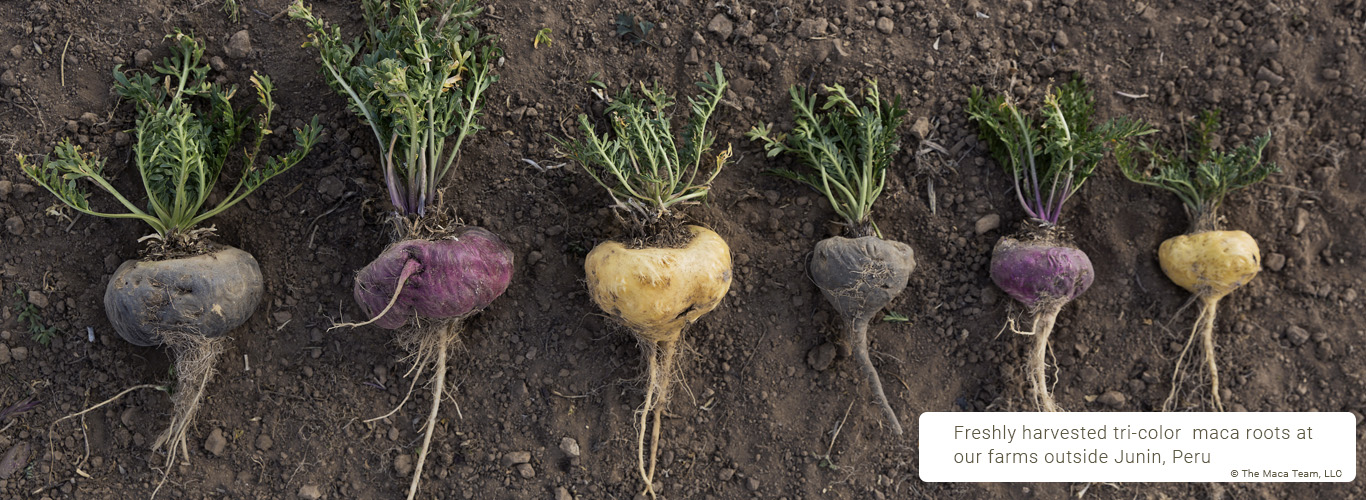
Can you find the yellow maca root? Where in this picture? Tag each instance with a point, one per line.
(1210, 264)
(656, 292)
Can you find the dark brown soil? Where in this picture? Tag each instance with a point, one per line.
(284, 417)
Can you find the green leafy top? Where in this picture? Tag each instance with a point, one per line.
(416, 80)
(640, 163)
(185, 131)
(1201, 178)
(845, 147)
(1051, 156)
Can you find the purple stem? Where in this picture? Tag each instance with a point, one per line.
(1066, 193)
(391, 178)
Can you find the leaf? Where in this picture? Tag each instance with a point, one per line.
(631, 29)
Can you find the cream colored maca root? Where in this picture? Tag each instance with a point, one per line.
(657, 291)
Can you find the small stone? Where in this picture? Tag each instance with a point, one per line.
(885, 25)
(6, 187)
(4, 354)
(216, 443)
(562, 493)
(1060, 38)
(1265, 74)
(239, 45)
(526, 471)
(570, 447)
(16, 51)
(89, 119)
(1331, 74)
(37, 299)
(1275, 261)
(15, 225)
(122, 139)
(19, 353)
(310, 492)
(821, 356)
(516, 458)
(217, 63)
(721, 25)
(692, 57)
(1113, 399)
(753, 483)
(921, 128)
(403, 465)
(9, 78)
(142, 58)
(1296, 335)
(264, 442)
(726, 474)
(987, 223)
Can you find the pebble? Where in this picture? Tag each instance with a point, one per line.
(721, 25)
(239, 45)
(264, 442)
(885, 25)
(16, 51)
(6, 187)
(753, 483)
(1113, 399)
(216, 443)
(570, 447)
(15, 225)
(217, 63)
(403, 465)
(562, 493)
(4, 354)
(987, 223)
(310, 492)
(1331, 74)
(526, 471)
(9, 78)
(142, 58)
(19, 353)
(122, 139)
(516, 458)
(1265, 74)
(1275, 261)
(37, 299)
(692, 57)
(821, 356)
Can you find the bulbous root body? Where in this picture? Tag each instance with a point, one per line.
(656, 293)
(1210, 264)
(446, 279)
(187, 304)
(859, 277)
(1043, 275)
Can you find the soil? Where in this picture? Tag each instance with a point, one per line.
(546, 385)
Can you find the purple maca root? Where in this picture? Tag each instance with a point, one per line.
(1043, 276)
(1037, 273)
(450, 277)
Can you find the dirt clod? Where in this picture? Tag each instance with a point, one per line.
(721, 25)
(215, 443)
(403, 465)
(821, 356)
(239, 46)
(310, 492)
(264, 442)
(142, 58)
(526, 471)
(987, 223)
(15, 225)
